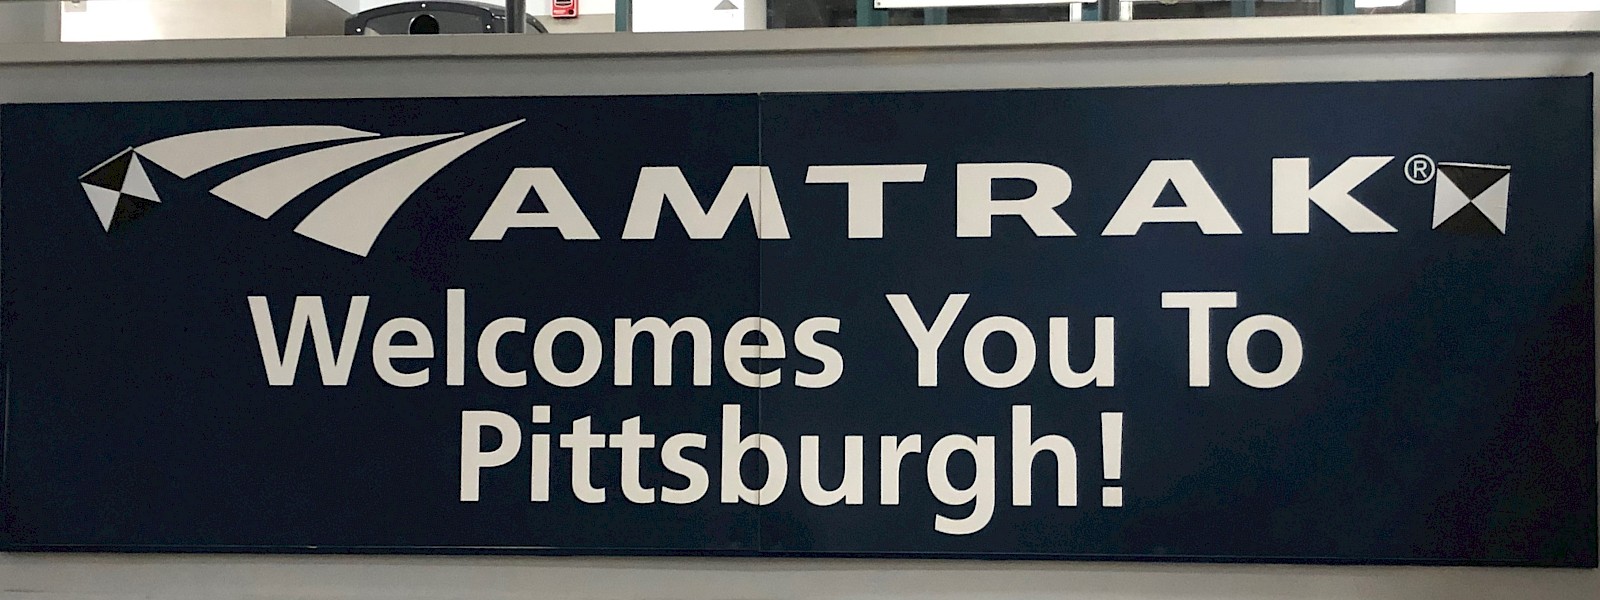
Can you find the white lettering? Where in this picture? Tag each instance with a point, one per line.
(864, 191)
(659, 185)
(1201, 205)
(976, 206)
(333, 362)
(928, 338)
(561, 210)
(1293, 195)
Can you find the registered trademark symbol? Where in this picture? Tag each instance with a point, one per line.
(1420, 169)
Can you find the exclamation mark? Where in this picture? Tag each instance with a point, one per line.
(1111, 458)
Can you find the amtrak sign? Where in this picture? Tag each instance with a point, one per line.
(1050, 323)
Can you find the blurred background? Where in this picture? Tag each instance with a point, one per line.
(107, 20)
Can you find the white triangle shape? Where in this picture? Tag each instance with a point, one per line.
(104, 202)
(137, 182)
(1448, 199)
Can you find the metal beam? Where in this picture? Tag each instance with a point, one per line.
(624, 15)
(516, 16)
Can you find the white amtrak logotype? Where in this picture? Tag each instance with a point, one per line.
(1468, 198)
(351, 219)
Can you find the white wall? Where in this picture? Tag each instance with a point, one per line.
(698, 15)
(111, 20)
(119, 577)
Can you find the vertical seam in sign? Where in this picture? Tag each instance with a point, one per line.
(761, 311)
(5, 439)
(5, 418)
(1594, 231)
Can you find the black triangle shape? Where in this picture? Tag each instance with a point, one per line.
(138, 197)
(130, 208)
(112, 174)
(1170, 198)
(1472, 180)
(1470, 221)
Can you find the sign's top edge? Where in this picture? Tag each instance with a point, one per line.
(845, 39)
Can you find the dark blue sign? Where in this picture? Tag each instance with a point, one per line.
(1348, 323)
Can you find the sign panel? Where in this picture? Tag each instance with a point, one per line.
(1297, 323)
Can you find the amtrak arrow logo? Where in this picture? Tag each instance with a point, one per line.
(120, 191)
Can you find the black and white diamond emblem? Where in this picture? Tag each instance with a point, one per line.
(119, 189)
(1471, 198)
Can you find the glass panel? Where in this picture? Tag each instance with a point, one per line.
(115, 20)
(1223, 8)
(1011, 14)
